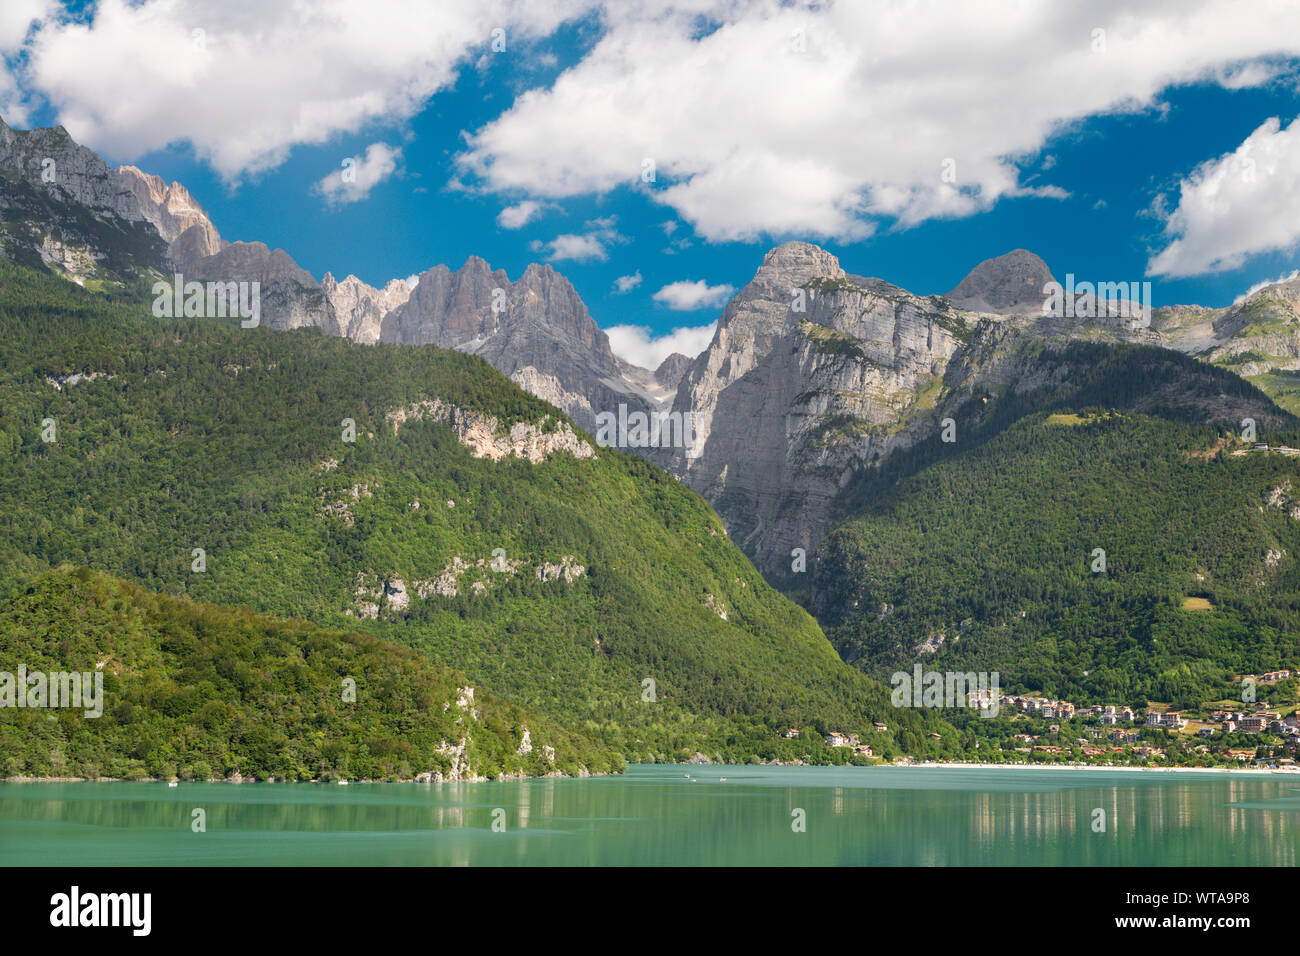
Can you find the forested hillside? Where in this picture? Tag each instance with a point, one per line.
(593, 590)
(991, 558)
(199, 692)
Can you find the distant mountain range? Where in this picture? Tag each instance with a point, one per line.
(820, 391)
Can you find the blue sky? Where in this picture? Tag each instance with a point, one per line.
(1116, 171)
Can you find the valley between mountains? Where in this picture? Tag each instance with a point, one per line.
(402, 487)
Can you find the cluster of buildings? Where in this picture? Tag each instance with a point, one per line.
(1255, 721)
(836, 739)
(848, 740)
(1038, 706)
(1272, 677)
(1258, 720)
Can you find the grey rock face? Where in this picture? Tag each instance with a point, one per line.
(361, 308)
(1011, 284)
(290, 297)
(49, 159)
(65, 209)
(791, 403)
(535, 330)
(177, 216)
(1255, 336)
(670, 370)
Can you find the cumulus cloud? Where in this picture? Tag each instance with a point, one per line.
(17, 17)
(685, 296)
(831, 118)
(358, 175)
(638, 344)
(586, 248)
(245, 82)
(590, 246)
(519, 215)
(1240, 204)
(625, 284)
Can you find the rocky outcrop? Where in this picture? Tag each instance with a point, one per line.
(1258, 335)
(535, 330)
(290, 297)
(483, 435)
(1011, 284)
(177, 216)
(393, 594)
(49, 159)
(548, 389)
(812, 374)
(62, 208)
(670, 370)
(567, 569)
(360, 308)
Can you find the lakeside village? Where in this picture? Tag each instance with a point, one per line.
(1030, 729)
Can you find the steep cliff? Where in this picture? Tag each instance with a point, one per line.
(535, 330)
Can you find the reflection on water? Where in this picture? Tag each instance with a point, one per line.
(673, 816)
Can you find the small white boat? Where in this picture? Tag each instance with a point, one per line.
(172, 783)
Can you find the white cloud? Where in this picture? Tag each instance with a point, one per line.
(625, 284)
(1238, 205)
(244, 82)
(520, 214)
(586, 247)
(412, 281)
(685, 295)
(1293, 274)
(359, 174)
(753, 134)
(16, 18)
(637, 344)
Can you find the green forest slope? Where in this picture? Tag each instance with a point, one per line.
(198, 434)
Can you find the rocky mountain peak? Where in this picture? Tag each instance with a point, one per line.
(361, 308)
(179, 219)
(670, 370)
(798, 262)
(1011, 284)
(49, 159)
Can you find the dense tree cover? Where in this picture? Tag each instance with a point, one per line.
(211, 436)
(200, 692)
(994, 549)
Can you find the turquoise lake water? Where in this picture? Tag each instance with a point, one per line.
(672, 815)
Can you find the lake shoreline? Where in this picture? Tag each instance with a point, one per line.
(1286, 771)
